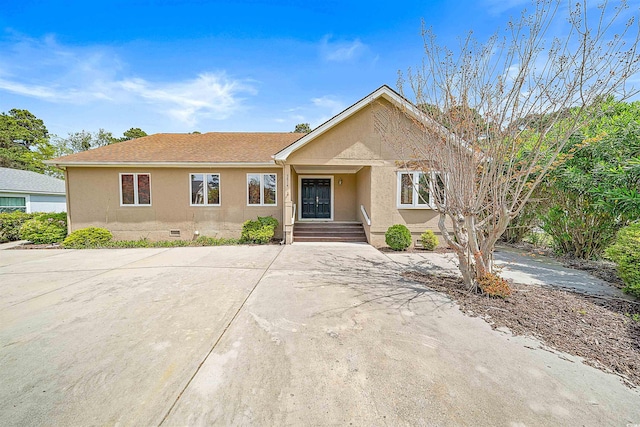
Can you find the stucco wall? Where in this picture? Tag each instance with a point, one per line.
(94, 200)
(363, 198)
(94, 192)
(345, 197)
(352, 142)
(355, 142)
(384, 211)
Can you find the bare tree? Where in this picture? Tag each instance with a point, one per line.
(493, 117)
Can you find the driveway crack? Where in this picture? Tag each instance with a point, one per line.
(215, 344)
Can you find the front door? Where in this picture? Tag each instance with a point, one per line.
(316, 198)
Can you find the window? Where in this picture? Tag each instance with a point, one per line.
(261, 189)
(135, 189)
(13, 204)
(417, 189)
(205, 189)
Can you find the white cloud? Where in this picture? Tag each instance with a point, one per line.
(497, 7)
(61, 74)
(316, 112)
(35, 91)
(329, 103)
(341, 51)
(211, 95)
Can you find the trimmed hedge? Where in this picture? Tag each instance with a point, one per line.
(398, 237)
(214, 241)
(90, 237)
(625, 252)
(144, 243)
(45, 228)
(258, 231)
(93, 238)
(429, 240)
(10, 224)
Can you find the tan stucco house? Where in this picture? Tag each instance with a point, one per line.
(338, 182)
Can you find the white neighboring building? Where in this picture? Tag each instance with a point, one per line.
(28, 191)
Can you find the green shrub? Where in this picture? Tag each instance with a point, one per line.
(429, 240)
(145, 243)
(258, 231)
(625, 252)
(10, 224)
(268, 221)
(128, 244)
(213, 241)
(45, 228)
(101, 238)
(171, 243)
(578, 229)
(398, 237)
(90, 237)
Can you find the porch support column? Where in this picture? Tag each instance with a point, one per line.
(288, 204)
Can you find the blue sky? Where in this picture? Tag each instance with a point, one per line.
(180, 66)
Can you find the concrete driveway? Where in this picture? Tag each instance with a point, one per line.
(268, 335)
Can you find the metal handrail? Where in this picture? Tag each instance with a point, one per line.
(293, 217)
(364, 214)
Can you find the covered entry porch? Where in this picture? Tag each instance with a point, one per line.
(327, 203)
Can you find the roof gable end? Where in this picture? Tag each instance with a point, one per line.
(382, 92)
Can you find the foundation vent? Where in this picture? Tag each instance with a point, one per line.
(174, 233)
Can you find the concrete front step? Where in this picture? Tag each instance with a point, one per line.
(323, 232)
(323, 226)
(329, 239)
(329, 232)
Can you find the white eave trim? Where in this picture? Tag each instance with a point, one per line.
(270, 164)
(44, 193)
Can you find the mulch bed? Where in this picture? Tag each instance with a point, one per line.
(601, 331)
(32, 246)
(413, 250)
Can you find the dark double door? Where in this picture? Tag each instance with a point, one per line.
(316, 198)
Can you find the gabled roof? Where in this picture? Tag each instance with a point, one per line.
(234, 148)
(224, 148)
(383, 91)
(19, 181)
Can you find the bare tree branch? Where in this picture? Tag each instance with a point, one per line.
(495, 116)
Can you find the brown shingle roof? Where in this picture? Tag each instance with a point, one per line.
(212, 147)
